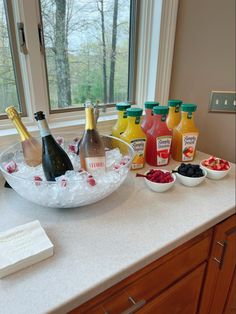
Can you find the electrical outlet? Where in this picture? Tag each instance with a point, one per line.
(223, 102)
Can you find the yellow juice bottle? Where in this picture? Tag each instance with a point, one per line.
(122, 121)
(185, 135)
(135, 136)
(174, 115)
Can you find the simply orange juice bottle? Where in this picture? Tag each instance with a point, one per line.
(135, 136)
(174, 115)
(185, 135)
(122, 121)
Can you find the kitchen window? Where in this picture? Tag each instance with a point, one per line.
(142, 52)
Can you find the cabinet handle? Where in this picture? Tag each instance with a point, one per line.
(220, 261)
(136, 306)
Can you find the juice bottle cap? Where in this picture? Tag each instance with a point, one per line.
(174, 103)
(150, 104)
(134, 112)
(12, 112)
(160, 110)
(188, 107)
(122, 106)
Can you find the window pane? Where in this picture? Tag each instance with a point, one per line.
(87, 45)
(8, 91)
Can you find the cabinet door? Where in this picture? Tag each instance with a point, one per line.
(220, 269)
(230, 307)
(181, 298)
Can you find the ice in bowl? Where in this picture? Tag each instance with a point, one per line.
(76, 187)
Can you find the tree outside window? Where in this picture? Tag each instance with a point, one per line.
(87, 50)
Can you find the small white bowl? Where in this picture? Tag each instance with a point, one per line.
(189, 181)
(215, 174)
(160, 187)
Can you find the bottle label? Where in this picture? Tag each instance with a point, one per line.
(189, 141)
(163, 149)
(139, 153)
(43, 127)
(95, 163)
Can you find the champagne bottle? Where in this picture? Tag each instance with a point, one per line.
(91, 149)
(32, 150)
(55, 161)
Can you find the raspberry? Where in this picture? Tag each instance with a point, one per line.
(37, 180)
(72, 148)
(60, 140)
(91, 181)
(11, 167)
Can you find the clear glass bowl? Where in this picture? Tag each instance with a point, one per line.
(75, 192)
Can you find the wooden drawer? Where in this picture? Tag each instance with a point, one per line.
(181, 298)
(151, 280)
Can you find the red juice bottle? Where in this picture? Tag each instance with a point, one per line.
(159, 138)
(148, 118)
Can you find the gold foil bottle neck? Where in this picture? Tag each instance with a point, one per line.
(90, 122)
(15, 117)
(12, 113)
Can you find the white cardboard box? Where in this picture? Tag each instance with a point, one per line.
(23, 246)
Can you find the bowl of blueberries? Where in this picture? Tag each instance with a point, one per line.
(190, 174)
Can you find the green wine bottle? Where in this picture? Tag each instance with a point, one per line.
(55, 161)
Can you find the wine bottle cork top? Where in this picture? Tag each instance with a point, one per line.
(12, 112)
(39, 115)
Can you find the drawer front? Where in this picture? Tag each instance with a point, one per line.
(181, 298)
(167, 273)
(152, 280)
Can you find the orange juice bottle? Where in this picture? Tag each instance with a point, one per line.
(148, 118)
(174, 115)
(185, 135)
(122, 120)
(135, 136)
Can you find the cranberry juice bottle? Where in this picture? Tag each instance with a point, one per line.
(148, 118)
(159, 139)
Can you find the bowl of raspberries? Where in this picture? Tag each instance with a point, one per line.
(159, 180)
(190, 174)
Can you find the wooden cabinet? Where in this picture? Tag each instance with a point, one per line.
(197, 277)
(219, 285)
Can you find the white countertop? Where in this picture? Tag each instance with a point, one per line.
(98, 245)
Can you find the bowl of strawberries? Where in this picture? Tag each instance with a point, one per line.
(215, 167)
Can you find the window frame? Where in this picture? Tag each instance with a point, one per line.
(147, 54)
(15, 59)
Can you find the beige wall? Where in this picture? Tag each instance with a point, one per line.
(204, 60)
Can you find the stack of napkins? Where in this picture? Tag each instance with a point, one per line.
(23, 246)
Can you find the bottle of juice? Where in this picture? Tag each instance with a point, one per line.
(185, 135)
(135, 136)
(122, 121)
(159, 138)
(174, 115)
(148, 118)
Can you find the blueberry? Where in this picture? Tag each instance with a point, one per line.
(190, 172)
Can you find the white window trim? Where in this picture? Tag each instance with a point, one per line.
(154, 63)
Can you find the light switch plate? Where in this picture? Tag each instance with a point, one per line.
(223, 101)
